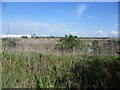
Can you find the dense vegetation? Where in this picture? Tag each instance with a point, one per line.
(100, 69)
(40, 71)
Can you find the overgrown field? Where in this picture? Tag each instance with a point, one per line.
(33, 70)
(60, 63)
(47, 46)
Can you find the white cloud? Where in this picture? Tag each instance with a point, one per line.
(91, 16)
(72, 32)
(114, 32)
(107, 33)
(99, 33)
(24, 26)
(44, 35)
(116, 24)
(102, 33)
(81, 34)
(74, 23)
(49, 18)
(48, 29)
(81, 9)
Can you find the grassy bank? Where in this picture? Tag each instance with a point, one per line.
(34, 70)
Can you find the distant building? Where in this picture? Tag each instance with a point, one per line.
(13, 36)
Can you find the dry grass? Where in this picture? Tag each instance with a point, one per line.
(44, 46)
(47, 46)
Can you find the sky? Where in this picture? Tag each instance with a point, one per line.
(84, 19)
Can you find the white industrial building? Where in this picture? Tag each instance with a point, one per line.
(13, 36)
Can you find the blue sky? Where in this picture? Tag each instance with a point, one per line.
(60, 18)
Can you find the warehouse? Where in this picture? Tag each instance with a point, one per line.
(13, 36)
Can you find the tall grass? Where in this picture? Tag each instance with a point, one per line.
(34, 70)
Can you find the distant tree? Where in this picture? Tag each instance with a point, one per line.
(52, 37)
(37, 37)
(24, 37)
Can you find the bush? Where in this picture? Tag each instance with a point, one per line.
(9, 42)
(4, 39)
(96, 47)
(69, 42)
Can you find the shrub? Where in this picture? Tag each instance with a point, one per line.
(96, 48)
(9, 42)
(69, 42)
(4, 39)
